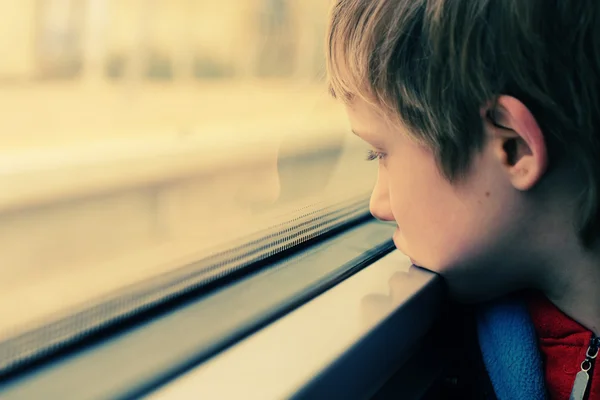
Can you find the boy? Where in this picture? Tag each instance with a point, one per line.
(484, 117)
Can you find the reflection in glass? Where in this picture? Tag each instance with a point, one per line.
(139, 135)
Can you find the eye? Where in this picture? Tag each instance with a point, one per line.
(374, 155)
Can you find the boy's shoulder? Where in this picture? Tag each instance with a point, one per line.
(530, 348)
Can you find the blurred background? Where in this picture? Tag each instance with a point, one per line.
(90, 69)
(138, 135)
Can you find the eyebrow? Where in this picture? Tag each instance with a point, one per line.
(367, 137)
(364, 135)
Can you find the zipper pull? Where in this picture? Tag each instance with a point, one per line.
(581, 381)
(582, 378)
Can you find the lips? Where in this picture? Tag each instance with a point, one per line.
(396, 239)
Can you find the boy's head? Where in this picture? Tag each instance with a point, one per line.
(485, 117)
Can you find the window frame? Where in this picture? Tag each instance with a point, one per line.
(154, 348)
(312, 366)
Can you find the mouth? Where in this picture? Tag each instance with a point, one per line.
(396, 239)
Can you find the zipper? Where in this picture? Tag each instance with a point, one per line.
(582, 379)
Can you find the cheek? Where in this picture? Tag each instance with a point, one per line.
(436, 224)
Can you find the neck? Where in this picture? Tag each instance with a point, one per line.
(573, 285)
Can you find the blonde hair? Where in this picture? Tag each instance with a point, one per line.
(434, 63)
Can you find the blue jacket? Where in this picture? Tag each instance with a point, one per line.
(509, 349)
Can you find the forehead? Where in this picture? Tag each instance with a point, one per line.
(368, 120)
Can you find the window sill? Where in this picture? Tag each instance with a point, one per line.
(342, 343)
(156, 348)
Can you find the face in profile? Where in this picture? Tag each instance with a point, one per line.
(461, 230)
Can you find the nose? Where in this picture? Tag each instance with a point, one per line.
(379, 205)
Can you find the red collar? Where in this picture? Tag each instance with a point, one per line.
(563, 344)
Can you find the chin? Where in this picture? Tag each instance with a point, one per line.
(465, 284)
(470, 291)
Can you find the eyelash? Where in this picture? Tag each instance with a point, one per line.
(374, 155)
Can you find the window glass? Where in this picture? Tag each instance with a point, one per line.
(141, 137)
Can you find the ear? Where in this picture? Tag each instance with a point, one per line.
(518, 141)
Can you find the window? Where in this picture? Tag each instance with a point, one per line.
(151, 146)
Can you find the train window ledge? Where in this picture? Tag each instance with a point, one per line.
(337, 320)
(347, 343)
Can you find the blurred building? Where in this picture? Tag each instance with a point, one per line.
(17, 39)
(160, 39)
